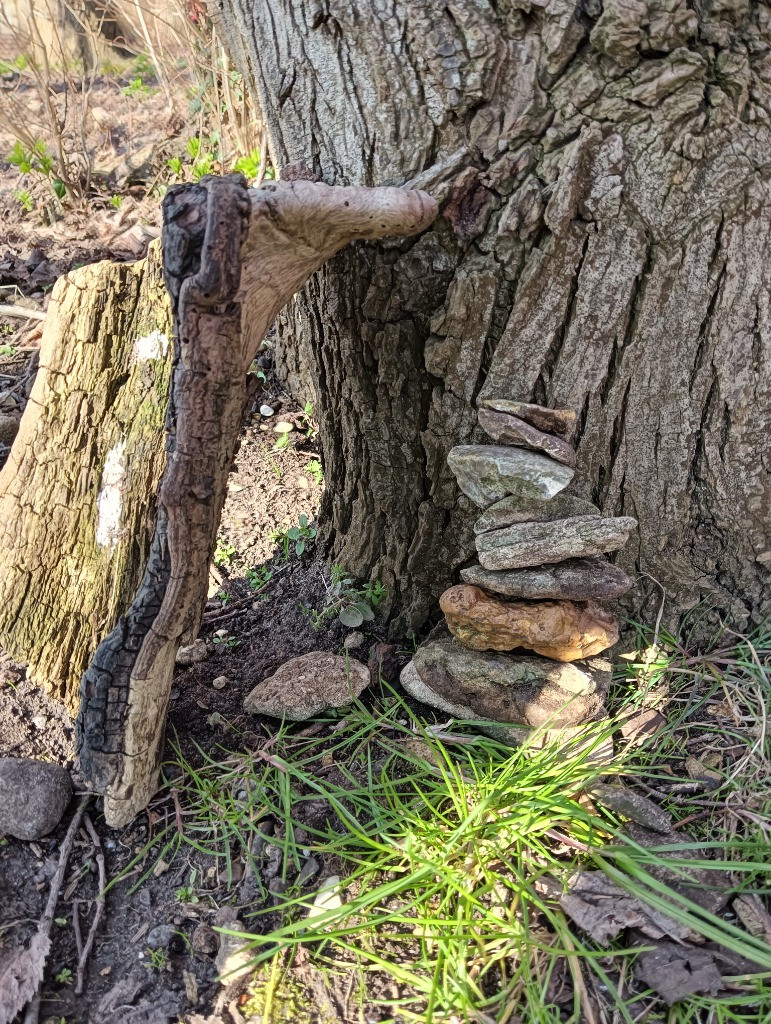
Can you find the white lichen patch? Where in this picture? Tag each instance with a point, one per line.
(109, 503)
(154, 346)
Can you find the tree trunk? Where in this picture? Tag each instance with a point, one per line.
(604, 172)
(77, 503)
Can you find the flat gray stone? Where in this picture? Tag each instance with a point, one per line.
(512, 510)
(520, 690)
(528, 544)
(552, 421)
(305, 686)
(33, 797)
(487, 473)
(577, 579)
(506, 429)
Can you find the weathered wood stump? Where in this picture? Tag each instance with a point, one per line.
(232, 259)
(77, 494)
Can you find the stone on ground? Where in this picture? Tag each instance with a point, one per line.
(506, 429)
(192, 653)
(577, 579)
(512, 510)
(523, 691)
(33, 797)
(552, 421)
(528, 544)
(555, 629)
(487, 473)
(306, 686)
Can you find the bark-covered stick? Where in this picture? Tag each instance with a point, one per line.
(231, 256)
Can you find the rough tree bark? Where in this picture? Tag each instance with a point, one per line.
(77, 503)
(604, 171)
(232, 258)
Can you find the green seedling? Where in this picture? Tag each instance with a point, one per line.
(296, 538)
(224, 552)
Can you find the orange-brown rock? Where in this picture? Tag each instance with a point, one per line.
(563, 630)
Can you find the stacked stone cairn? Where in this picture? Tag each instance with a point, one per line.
(540, 575)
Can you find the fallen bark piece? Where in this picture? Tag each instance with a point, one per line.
(33, 797)
(528, 544)
(710, 889)
(577, 579)
(635, 806)
(486, 473)
(308, 685)
(603, 910)
(524, 691)
(552, 421)
(233, 257)
(506, 429)
(675, 972)
(556, 629)
(512, 510)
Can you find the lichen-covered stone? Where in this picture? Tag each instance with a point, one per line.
(577, 579)
(487, 473)
(552, 421)
(521, 690)
(556, 629)
(506, 429)
(528, 544)
(33, 797)
(512, 510)
(308, 685)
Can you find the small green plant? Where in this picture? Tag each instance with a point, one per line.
(249, 165)
(187, 893)
(65, 976)
(9, 67)
(116, 201)
(224, 598)
(25, 200)
(283, 442)
(296, 537)
(8, 350)
(258, 578)
(224, 639)
(351, 604)
(224, 552)
(315, 472)
(157, 959)
(174, 164)
(137, 88)
(309, 425)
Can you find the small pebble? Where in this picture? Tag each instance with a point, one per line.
(39, 721)
(353, 640)
(220, 682)
(266, 410)
(283, 428)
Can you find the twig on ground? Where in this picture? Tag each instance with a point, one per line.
(44, 928)
(23, 312)
(234, 608)
(99, 852)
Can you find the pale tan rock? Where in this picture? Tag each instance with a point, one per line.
(561, 630)
(306, 686)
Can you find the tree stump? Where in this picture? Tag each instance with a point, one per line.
(77, 494)
(232, 259)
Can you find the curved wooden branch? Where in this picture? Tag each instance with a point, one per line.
(233, 258)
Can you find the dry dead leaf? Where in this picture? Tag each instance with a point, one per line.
(753, 915)
(21, 974)
(698, 771)
(676, 972)
(603, 910)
